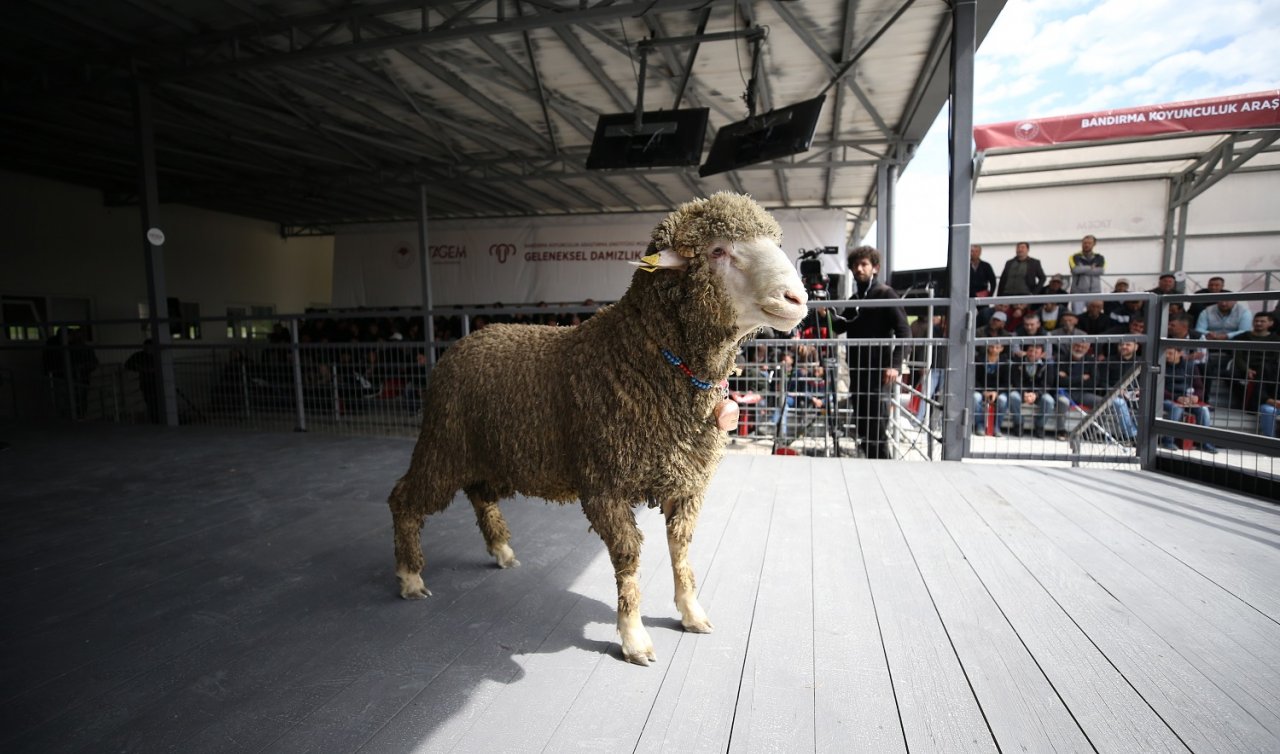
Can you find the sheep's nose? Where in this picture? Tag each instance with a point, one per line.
(792, 297)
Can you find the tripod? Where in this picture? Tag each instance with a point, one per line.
(814, 323)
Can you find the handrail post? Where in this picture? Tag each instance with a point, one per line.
(296, 357)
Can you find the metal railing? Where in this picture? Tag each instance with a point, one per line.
(797, 396)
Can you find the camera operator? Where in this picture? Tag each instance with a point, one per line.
(872, 367)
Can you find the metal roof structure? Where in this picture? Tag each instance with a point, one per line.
(311, 113)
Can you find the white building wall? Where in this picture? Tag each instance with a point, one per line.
(59, 240)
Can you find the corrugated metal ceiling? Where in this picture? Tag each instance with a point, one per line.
(311, 113)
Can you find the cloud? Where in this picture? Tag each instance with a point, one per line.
(1057, 57)
(1121, 53)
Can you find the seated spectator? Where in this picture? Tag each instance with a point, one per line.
(1055, 286)
(1095, 321)
(991, 380)
(1215, 286)
(804, 388)
(1180, 327)
(1034, 384)
(1030, 328)
(1183, 387)
(1051, 315)
(1121, 286)
(1077, 376)
(1224, 320)
(1268, 405)
(1167, 284)
(1128, 311)
(1016, 313)
(751, 373)
(1254, 368)
(1068, 324)
(995, 326)
(1111, 374)
(985, 312)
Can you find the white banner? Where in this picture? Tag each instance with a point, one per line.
(526, 260)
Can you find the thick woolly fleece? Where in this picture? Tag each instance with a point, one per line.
(593, 412)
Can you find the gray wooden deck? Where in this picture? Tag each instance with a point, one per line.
(202, 590)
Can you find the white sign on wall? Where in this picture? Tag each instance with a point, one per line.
(527, 260)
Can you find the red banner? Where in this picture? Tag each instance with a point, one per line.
(1238, 112)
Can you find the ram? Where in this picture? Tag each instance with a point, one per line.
(625, 409)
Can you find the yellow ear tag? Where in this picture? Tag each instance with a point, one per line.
(651, 261)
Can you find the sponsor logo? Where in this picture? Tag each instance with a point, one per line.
(449, 252)
(503, 251)
(1027, 130)
(404, 257)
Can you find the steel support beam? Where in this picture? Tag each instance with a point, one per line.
(153, 255)
(956, 402)
(601, 12)
(424, 271)
(886, 181)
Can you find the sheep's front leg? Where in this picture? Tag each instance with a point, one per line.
(616, 525)
(682, 518)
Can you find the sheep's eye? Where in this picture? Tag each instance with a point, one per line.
(718, 252)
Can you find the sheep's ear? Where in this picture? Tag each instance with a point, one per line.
(667, 259)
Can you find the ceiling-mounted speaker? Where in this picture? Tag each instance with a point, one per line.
(777, 133)
(665, 138)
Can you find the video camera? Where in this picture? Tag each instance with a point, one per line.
(816, 284)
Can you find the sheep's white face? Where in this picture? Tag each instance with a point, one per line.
(762, 282)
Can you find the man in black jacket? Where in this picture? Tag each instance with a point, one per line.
(872, 367)
(982, 276)
(1023, 275)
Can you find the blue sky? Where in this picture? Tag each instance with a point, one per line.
(1055, 57)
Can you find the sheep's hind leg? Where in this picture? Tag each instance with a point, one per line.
(497, 537)
(408, 512)
(616, 525)
(682, 517)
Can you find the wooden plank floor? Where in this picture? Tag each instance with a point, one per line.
(201, 590)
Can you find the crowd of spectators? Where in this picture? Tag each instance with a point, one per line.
(1044, 364)
(357, 359)
(1013, 375)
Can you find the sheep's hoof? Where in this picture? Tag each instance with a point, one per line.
(693, 617)
(643, 658)
(412, 588)
(506, 557)
(702, 626)
(637, 648)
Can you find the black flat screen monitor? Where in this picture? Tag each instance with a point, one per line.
(665, 138)
(777, 133)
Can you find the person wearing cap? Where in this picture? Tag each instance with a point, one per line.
(1086, 270)
(1056, 285)
(995, 327)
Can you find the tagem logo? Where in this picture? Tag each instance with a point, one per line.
(503, 251)
(1027, 130)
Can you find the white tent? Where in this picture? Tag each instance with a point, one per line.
(1188, 187)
